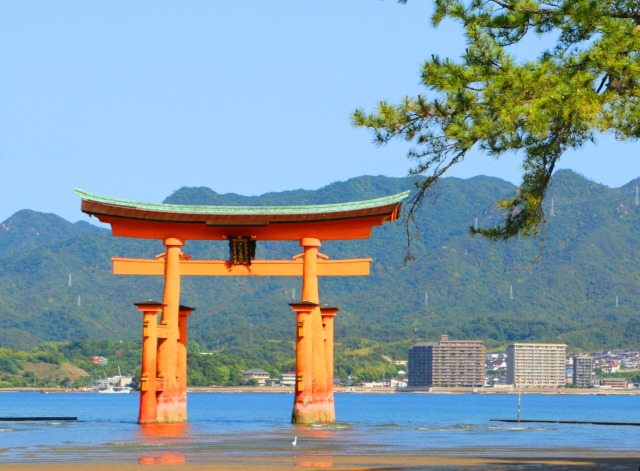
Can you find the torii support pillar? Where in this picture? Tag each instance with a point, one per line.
(303, 412)
(328, 313)
(181, 358)
(150, 385)
(148, 402)
(313, 404)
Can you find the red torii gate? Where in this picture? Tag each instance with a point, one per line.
(163, 395)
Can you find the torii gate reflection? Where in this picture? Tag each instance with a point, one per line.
(163, 396)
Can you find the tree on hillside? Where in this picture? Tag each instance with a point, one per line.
(584, 84)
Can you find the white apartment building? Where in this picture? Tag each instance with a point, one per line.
(536, 365)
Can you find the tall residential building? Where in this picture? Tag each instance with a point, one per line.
(447, 363)
(582, 371)
(538, 365)
(419, 365)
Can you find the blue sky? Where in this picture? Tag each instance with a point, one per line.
(138, 99)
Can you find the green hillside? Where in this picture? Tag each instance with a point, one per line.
(578, 283)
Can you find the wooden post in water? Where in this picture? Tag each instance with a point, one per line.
(519, 392)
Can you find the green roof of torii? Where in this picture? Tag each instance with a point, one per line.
(235, 210)
(158, 220)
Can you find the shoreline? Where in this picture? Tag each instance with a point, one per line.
(362, 390)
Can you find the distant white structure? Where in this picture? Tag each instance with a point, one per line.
(260, 376)
(288, 378)
(537, 365)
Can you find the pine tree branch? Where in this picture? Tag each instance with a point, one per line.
(630, 15)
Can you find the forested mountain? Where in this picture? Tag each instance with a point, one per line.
(578, 283)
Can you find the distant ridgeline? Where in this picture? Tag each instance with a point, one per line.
(579, 283)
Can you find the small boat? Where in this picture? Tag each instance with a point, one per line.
(116, 390)
(111, 387)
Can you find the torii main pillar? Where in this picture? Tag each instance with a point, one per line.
(163, 392)
(313, 401)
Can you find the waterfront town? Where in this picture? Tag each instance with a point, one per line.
(462, 365)
(434, 366)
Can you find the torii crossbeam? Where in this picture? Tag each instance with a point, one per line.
(164, 369)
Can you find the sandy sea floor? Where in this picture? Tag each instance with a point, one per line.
(304, 461)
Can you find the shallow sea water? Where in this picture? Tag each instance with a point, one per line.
(234, 425)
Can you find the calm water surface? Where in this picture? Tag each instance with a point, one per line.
(237, 424)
